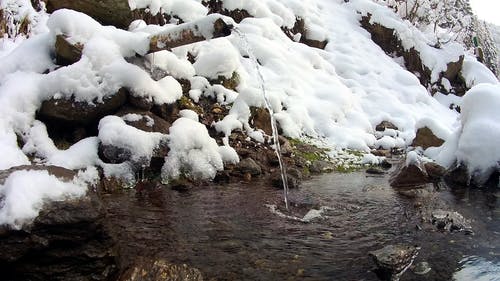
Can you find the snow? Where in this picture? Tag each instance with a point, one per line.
(476, 73)
(473, 143)
(185, 10)
(113, 131)
(197, 157)
(24, 194)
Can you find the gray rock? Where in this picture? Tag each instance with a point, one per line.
(393, 260)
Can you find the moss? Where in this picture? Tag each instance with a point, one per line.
(228, 83)
(186, 103)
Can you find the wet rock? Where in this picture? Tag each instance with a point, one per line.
(421, 268)
(69, 111)
(458, 176)
(375, 171)
(285, 146)
(393, 260)
(66, 52)
(416, 193)
(434, 171)
(409, 176)
(248, 165)
(67, 241)
(385, 164)
(160, 270)
(294, 177)
(425, 138)
(385, 125)
(450, 221)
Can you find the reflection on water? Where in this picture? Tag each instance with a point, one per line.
(229, 233)
(477, 269)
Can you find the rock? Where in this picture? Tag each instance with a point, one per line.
(67, 241)
(67, 53)
(168, 112)
(69, 111)
(109, 12)
(140, 102)
(294, 177)
(408, 176)
(59, 172)
(393, 260)
(113, 154)
(381, 152)
(248, 165)
(385, 164)
(300, 28)
(261, 119)
(458, 176)
(160, 270)
(417, 193)
(450, 221)
(320, 166)
(434, 171)
(421, 268)
(425, 138)
(149, 122)
(385, 125)
(375, 171)
(453, 69)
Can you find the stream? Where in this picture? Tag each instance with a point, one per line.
(229, 232)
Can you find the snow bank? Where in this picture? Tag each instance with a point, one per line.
(196, 157)
(185, 10)
(24, 193)
(434, 59)
(476, 73)
(475, 142)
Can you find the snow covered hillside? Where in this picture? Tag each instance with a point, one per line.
(334, 96)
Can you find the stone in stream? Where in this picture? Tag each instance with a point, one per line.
(67, 241)
(160, 270)
(393, 260)
(450, 221)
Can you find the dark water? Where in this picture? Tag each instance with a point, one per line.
(229, 234)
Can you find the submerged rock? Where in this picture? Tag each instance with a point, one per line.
(160, 270)
(393, 260)
(67, 241)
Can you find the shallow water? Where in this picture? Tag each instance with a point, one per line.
(229, 233)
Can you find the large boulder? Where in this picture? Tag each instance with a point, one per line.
(67, 241)
(109, 12)
(69, 111)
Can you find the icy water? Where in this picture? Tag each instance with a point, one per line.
(229, 233)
